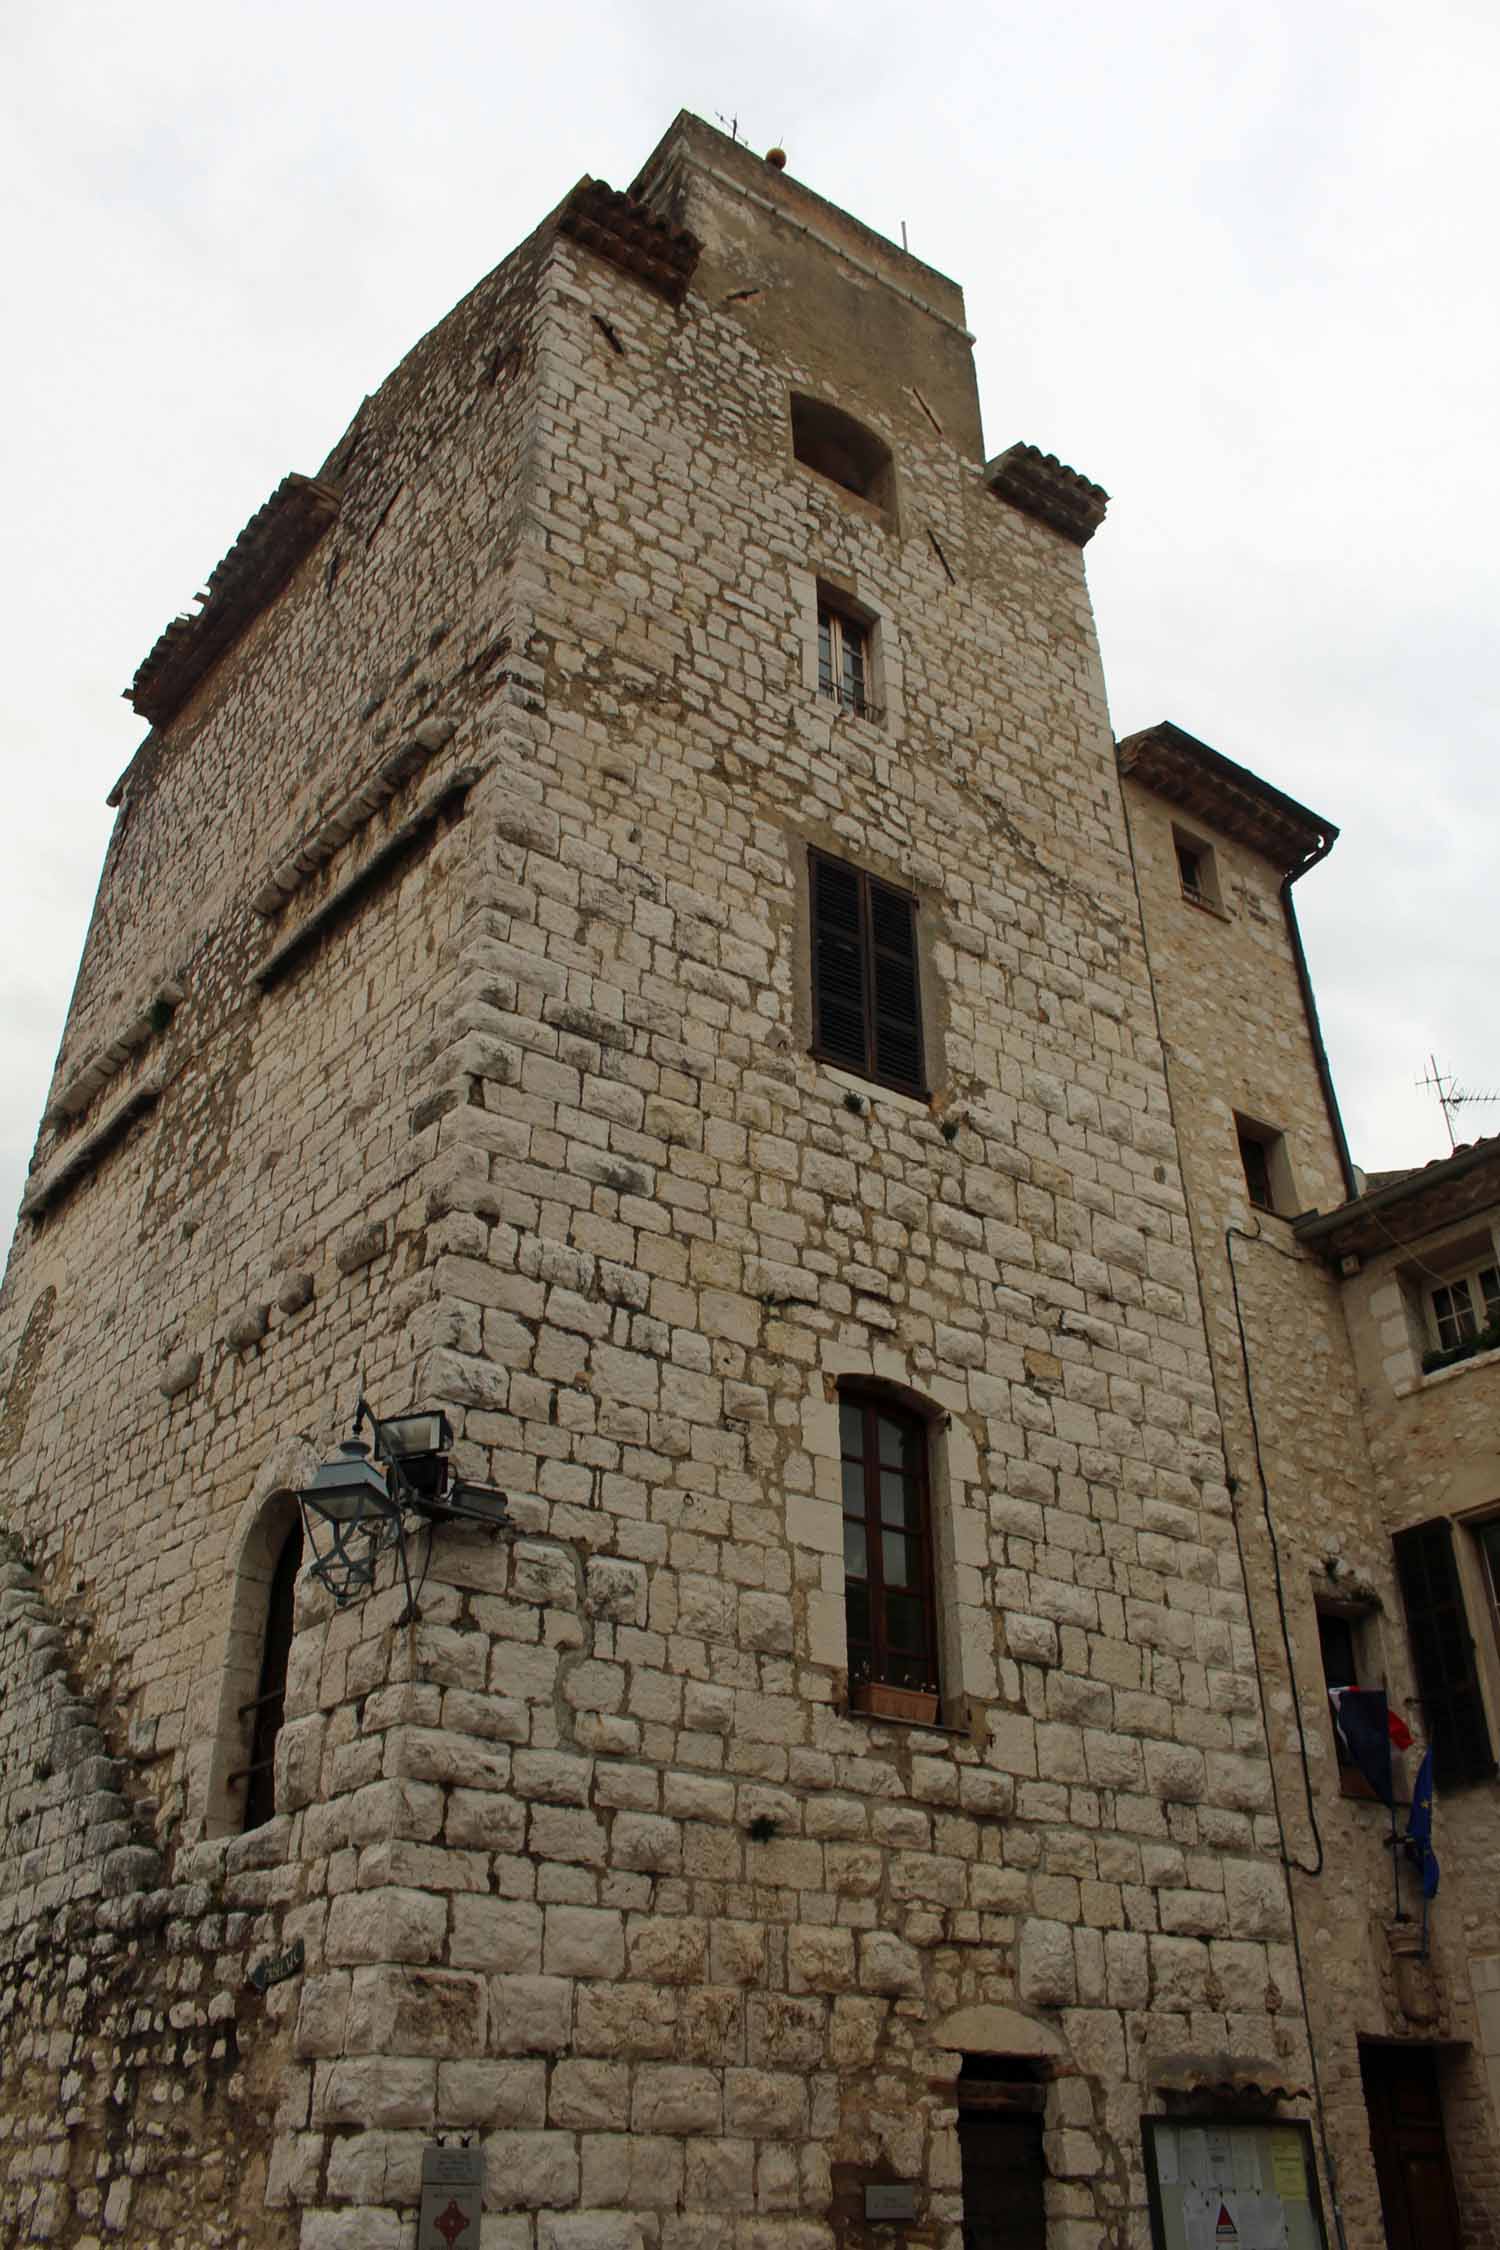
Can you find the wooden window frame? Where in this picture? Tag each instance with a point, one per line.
(842, 635)
(1481, 1308)
(870, 887)
(873, 1661)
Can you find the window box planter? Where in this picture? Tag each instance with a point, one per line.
(1485, 1341)
(917, 1706)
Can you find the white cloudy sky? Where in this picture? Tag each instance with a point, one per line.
(1236, 263)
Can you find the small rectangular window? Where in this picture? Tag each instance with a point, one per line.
(844, 661)
(1197, 870)
(888, 1596)
(1267, 1169)
(866, 993)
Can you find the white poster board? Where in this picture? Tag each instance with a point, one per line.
(1217, 2184)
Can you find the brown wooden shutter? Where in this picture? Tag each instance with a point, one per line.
(1443, 1654)
(898, 1017)
(840, 1002)
(866, 993)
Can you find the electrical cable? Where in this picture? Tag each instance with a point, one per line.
(1242, 1234)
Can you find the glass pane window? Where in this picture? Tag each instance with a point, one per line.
(843, 660)
(1453, 1310)
(1489, 1290)
(887, 1545)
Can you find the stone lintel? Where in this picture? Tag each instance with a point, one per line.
(1042, 486)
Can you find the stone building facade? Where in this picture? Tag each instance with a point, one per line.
(628, 928)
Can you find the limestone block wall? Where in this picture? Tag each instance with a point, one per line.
(220, 1281)
(592, 1860)
(1312, 1493)
(671, 1234)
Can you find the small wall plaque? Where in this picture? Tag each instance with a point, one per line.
(452, 2198)
(277, 1967)
(898, 2201)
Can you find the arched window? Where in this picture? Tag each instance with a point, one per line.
(262, 1714)
(888, 1575)
(827, 439)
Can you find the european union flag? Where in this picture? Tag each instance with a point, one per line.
(1419, 1829)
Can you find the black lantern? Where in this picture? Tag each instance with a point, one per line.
(351, 1518)
(355, 1507)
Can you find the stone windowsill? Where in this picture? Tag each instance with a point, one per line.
(871, 1090)
(908, 1726)
(1421, 1382)
(1207, 906)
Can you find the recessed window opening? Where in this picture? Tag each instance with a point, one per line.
(844, 661)
(1197, 869)
(888, 1578)
(264, 1712)
(867, 1008)
(830, 441)
(1264, 1162)
(1349, 1661)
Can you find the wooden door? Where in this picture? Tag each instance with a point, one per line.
(1003, 2172)
(1411, 2155)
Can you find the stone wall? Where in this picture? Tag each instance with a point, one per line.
(1332, 1466)
(593, 1860)
(137, 2065)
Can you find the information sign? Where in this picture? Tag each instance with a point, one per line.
(1219, 2185)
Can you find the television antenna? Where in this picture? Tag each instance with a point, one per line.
(1451, 1095)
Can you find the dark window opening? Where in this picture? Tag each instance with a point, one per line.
(866, 988)
(1340, 1658)
(1257, 1172)
(844, 661)
(839, 448)
(888, 1592)
(1340, 1639)
(1263, 1159)
(1197, 869)
(268, 1704)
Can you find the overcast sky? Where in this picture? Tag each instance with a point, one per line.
(1236, 264)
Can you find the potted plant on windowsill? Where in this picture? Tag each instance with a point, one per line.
(880, 1699)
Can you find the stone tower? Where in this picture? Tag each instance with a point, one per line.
(623, 930)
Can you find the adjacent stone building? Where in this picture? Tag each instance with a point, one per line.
(628, 928)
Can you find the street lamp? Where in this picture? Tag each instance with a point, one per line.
(356, 1505)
